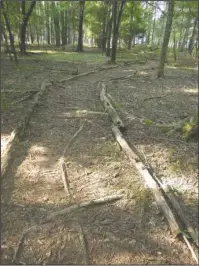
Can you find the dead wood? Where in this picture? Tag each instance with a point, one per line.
(14, 91)
(125, 77)
(169, 193)
(83, 205)
(87, 73)
(65, 176)
(73, 137)
(110, 109)
(24, 99)
(53, 215)
(191, 249)
(77, 76)
(157, 97)
(143, 171)
(84, 243)
(20, 243)
(126, 63)
(19, 131)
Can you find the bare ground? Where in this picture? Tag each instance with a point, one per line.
(130, 231)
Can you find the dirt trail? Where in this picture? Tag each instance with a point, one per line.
(130, 231)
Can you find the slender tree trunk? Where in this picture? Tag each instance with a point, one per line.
(185, 36)
(9, 32)
(48, 23)
(63, 28)
(81, 19)
(56, 23)
(6, 42)
(116, 24)
(191, 41)
(166, 38)
(109, 30)
(24, 24)
(130, 30)
(174, 46)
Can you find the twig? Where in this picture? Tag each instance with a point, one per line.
(77, 76)
(20, 243)
(157, 97)
(23, 99)
(71, 140)
(65, 176)
(84, 244)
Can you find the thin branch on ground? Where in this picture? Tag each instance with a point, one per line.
(84, 243)
(157, 97)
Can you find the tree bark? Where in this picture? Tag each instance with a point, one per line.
(130, 31)
(166, 38)
(185, 35)
(56, 24)
(174, 46)
(24, 24)
(63, 28)
(81, 19)
(11, 37)
(116, 24)
(191, 41)
(109, 30)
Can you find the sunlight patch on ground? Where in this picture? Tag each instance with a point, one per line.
(35, 149)
(191, 90)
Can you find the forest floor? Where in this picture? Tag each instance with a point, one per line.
(129, 231)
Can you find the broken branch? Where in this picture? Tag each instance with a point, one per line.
(143, 171)
(110, 109)
(77, 207)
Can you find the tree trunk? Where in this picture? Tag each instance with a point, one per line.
(48, 23)
(191, 41)
(81, 19)
(185, 37)
(174, 46)
(24, 24)
(130, 31)
(166, 38)
(6, 42)
(109, 30)
(56, 24)
(116, 24)
(11, 37)
(63, 28)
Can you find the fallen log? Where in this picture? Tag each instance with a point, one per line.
(69, 209)
(110, 109)
(77, 207)
(87, 73)
(180, 212)
(19, 131)
(143, 171)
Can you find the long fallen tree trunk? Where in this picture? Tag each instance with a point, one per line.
(157, 193)
(110, 109)
(175, 229)
(19, 131)
(87, 73)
